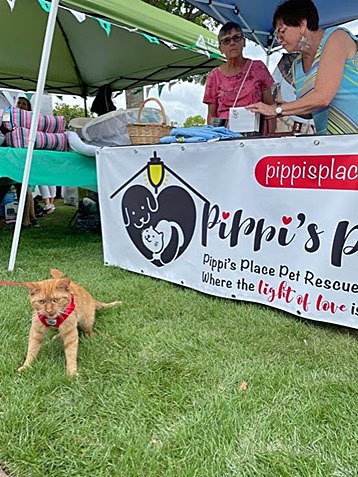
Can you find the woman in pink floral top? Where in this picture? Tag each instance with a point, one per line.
(223, 83)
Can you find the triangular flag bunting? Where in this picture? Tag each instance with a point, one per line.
(151, 39)
(160, 89)
(170, 85)
(11, 4)
(139, 90)
(60, 98)
(81, 17)
(105, 25)
(45, 5)
(170, 45)
(29, 96)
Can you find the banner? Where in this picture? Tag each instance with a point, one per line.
(272, 221)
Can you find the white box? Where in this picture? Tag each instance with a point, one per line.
(242, 120)
(10, 212)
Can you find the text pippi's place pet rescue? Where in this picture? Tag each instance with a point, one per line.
(61, 303)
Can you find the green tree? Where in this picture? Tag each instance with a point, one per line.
(189, 12)
(194, 121)
(69, 112)
(182, 9)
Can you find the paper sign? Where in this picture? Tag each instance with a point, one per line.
(242, 120)
(6, 116)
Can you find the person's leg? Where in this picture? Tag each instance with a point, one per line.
(46, 196)
(26, 215)
(32, 216)
(52, 190)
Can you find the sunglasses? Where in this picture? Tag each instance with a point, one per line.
(236, 38)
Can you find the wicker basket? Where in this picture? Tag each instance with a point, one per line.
(148, 133)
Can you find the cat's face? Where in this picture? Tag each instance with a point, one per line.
(50, 297)
(152, 239)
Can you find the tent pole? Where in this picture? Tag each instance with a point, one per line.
(35, 119)
(85, 106)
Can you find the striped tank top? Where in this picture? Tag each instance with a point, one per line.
(341, 116)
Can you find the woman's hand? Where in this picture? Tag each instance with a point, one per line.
(268, 110)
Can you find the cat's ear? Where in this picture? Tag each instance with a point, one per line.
(32, 287)
(55, 273)
(63, 284)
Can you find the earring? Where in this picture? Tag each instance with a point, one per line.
(304, 43)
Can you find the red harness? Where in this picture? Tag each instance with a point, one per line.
(60, 318)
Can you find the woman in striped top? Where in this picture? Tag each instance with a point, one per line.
(325, 73)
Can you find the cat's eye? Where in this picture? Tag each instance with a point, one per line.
(142, 207)
(42, 302)
(55, 300)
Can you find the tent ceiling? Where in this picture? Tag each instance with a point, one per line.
(255, 16)
(83, 57)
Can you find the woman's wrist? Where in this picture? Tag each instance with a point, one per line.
(279, 110)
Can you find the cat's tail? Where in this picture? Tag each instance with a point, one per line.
(100, 305)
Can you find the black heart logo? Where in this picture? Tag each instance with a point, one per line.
(161, 227)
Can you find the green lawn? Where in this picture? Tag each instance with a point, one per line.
(159, 386)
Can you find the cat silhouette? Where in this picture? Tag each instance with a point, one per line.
(166, 237)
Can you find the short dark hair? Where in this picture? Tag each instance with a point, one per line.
(292, 12)
(227, 29)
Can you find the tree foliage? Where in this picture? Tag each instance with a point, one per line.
(191, 13)
(194, 121)
(180, 8)
(69, 112)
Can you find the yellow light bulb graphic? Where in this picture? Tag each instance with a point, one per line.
(155, 169)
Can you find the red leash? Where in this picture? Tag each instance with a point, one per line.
(11, 283)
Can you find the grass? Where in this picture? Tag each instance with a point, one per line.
(159, 386)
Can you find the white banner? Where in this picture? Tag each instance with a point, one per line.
(273, 221)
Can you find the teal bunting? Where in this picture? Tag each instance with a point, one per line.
(160, 89)
(45, 5)
(151, 39)
(105, 25)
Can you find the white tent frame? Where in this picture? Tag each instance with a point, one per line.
(45, 56)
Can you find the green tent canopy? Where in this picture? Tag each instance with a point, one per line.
(124, 43)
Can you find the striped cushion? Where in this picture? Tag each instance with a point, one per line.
(19, 118)
(19, 137)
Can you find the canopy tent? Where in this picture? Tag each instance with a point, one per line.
(84, 44)
(124, 43)
(255, 16)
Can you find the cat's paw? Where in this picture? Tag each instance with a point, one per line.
(56, 337)
(72, 374)
(19, 370)
(89, 334)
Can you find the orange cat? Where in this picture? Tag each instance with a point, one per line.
(61, 303)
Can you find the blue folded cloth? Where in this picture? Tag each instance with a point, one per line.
(199, 134)
(171, 139)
